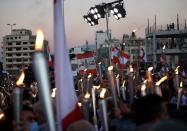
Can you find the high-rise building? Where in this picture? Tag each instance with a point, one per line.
(101, 38)
(18, 49)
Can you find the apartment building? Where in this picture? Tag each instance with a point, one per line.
(18, 49)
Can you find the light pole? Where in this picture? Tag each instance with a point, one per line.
(11, 26)
(103, 10)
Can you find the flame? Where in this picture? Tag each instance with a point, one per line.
(177, 70)
(99, 63)
(143, 87)
(181, 84)
(87, 96)
(117, 76)
(134, 30)
(131, 68)
(161, 80)
(145, 81)
(123, 83)
(2, 115)
(110, 68)
(53, 94)
(97, 87)
(134, 77)
(39, 40)
(89, 76)
(150, 68)
(102, 94)
(21, 79)
(79, 104)
(164, 47)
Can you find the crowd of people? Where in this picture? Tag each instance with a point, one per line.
(149, 112)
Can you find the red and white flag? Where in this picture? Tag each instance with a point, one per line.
(115, 54)
(66, 99)
(124, 57)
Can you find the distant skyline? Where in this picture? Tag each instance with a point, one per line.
(34, 14)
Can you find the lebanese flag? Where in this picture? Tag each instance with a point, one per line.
(66, 99)
(124, 57)
(115, 55)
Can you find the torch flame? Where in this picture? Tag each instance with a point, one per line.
(117, 76)
(177, 70)
(39, 40)
(89, 76)
(110, 68)
(131, 68)
(161, 80)
(143, 87)
(87, 96)
(145, 81)
(97, 87)
(2, 115)
(150, 68)
(102, 94)
(21, 79)
(79, 104)
(123, 83)
(53, 94)
(181, 84)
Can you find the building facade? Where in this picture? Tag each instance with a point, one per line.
(134, 47)
(168, 45)
(18, 49)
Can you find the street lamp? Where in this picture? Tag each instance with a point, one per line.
(103, 10)
(11, 26)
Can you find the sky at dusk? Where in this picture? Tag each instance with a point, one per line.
(34, 14)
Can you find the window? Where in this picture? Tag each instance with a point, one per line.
(7, 38)
(15, 37)
(18, 43)
(9, 60)
(9, 49)
(18, 60)
(24, 48)
(24, 43)
(32, 48)
(18, 54)
(18, 48)
(9, 54)
(11, 38)
(25, 54)
(19, 37)
(20, 32)
(9, 43)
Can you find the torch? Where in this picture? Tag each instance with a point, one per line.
(157, 88)
(17, 95)
(86, 106)
(41, 72)
(112, 85)
(103, 108)
(177, 76)
(179, 94)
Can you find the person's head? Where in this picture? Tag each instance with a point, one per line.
(81, 125)
(168, 125)
(150, 108)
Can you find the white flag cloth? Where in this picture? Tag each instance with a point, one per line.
(66, 99)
